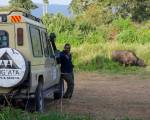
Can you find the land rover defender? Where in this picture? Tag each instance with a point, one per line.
(28, 66)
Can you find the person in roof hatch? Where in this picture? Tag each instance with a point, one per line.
(53, 39)
(67, 70)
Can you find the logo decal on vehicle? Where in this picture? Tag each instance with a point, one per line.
(7, 62)
(12, 67)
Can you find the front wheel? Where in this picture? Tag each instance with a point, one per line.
(39, 98)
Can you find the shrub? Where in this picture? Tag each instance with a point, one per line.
(123, 24)
(128, 36)
(143, 35)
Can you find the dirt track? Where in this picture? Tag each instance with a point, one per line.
(105, 97)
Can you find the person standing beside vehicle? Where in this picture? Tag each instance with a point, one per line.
(67, 70)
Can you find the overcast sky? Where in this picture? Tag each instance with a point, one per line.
(63, 2)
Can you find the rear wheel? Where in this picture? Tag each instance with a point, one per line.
(39, 98)
(2, 100)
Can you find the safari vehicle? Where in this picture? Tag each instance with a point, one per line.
(28, 66)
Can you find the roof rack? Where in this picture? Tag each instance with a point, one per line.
(26, 14)
(32, 17)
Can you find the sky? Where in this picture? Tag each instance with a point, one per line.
(63, 2)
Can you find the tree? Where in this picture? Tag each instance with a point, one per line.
(45, 7)
(94, 12)
(78, 6)
(58, 23)
(138, 10)
(26, 4)
(46, 1)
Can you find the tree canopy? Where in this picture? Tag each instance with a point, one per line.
(138, 10)
(26, 4)
(46, 1)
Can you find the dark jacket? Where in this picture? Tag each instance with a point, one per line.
(66, 62)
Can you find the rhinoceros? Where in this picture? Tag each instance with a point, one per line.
(127, 57)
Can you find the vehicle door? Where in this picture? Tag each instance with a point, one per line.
(51, 68)
(55, 67)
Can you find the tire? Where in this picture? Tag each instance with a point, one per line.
(59, 94)
(20, 66)
(39, 98)
(2, 100)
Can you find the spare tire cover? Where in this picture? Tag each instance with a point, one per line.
(13, 67)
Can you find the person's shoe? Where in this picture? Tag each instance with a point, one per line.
(70, 96)
(65, 96)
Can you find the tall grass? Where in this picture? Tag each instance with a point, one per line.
(97, 57)
(94, 52)
(92, 46)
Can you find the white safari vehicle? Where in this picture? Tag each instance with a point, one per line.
(28, 67)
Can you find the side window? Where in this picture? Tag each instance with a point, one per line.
(48, 51)
(51, 49)
(36, 42)
(3, 39)
(45, 44)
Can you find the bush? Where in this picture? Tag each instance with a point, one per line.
(123, 24)
(129, 32)
(143, 35)
(128, 36)
(58, 23)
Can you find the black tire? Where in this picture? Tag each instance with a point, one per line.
(27, 66)
(59, 94)
(2, 100)
(39, 98)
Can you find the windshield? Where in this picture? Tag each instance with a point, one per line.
(3, 39)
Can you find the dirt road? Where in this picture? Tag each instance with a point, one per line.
(105, 97)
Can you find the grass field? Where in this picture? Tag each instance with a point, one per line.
(17, 114)
(92, 52)
(97, 57)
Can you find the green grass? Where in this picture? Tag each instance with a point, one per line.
(92, 46)
(16, 114)
(93, 52)
(97, 57)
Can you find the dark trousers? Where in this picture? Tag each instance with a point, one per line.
(69, 78)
